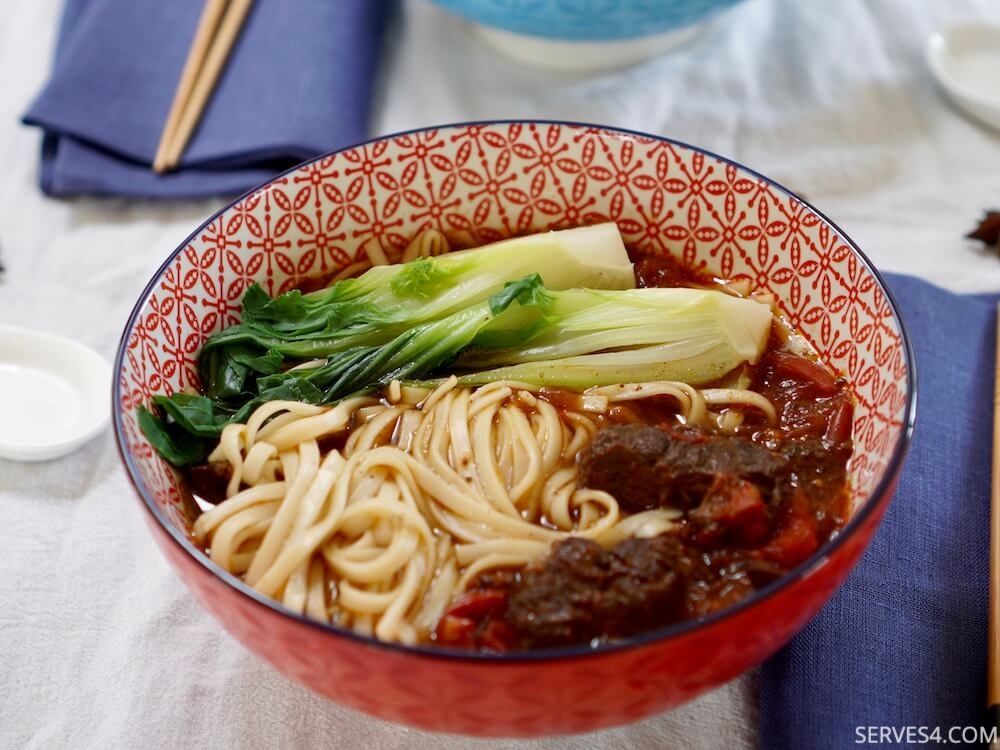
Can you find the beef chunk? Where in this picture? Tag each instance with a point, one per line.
(646, 467)
(695, 459)
(622, 461)
(582, 591)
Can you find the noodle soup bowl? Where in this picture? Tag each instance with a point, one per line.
(478, 183)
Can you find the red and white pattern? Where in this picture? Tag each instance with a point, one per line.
(479, 183)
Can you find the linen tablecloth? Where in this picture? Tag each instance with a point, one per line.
(100, 644)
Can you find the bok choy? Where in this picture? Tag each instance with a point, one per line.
(380, 304)
(583, 337)
(386, 300)
(187, 425)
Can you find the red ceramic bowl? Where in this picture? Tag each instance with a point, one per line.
(477, 183)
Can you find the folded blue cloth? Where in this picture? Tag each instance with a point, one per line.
(903, 643)
(298, 83)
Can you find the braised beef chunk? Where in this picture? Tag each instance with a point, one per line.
(645, 467)
(622, 461)
(647, 562)
(695, 458)
(559, 602)
(582, 591)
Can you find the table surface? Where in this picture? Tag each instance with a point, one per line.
(102, 645)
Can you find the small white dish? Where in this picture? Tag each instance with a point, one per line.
(965, 60)
(54, 394)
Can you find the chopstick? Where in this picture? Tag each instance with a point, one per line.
(218, 29)
(993, 642)
(207, 26)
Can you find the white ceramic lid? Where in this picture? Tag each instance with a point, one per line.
(54, 394)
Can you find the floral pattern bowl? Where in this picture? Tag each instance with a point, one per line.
(481, 182)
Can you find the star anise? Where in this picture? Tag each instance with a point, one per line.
(988, 231)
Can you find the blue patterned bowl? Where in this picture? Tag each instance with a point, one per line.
(587, 20)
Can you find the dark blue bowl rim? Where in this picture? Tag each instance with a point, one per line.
(815, 561)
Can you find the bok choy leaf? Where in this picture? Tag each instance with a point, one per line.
(377, 306)
(584, 337)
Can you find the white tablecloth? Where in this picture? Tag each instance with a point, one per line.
(100, 644)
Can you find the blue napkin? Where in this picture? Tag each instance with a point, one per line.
(903, 643)
(298, 83)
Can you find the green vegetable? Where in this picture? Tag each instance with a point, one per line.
(189, 424)
(386, 300)
(177, 446)
(581, 337)
(413, 353)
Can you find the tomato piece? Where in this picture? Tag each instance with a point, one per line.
(735, 505)
(838, 426)
(479, 604)
(793, 543)
(455, 631)
(793, 367)
(796, 537)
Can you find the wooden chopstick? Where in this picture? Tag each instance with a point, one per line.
(208, 75)
(208, 24)
(993, 643)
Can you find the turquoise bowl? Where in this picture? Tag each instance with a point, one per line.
(587, 20)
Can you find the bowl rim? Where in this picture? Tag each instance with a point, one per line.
(450, 654)
(562, 29)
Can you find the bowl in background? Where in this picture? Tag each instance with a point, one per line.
(477, 183)
(965, 61)
(586, 35)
